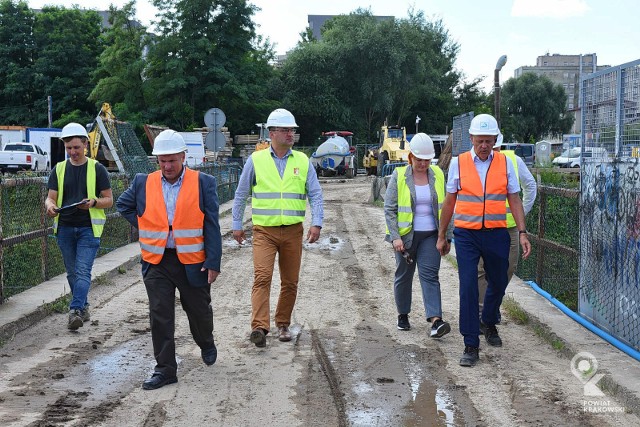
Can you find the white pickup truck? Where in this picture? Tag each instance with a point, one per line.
(17, 156)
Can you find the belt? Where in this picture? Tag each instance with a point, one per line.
(491, 229)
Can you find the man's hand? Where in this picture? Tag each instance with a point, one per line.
(314, 234)
(443, 246)
(212, 275)
(238, 235)
(526, 245)
(398, 245)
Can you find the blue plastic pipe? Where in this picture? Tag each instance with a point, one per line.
(590, 326)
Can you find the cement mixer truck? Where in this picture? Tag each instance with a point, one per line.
(336, 155)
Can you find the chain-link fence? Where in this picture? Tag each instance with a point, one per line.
(610, 201)
(553, 226)
(29, 254)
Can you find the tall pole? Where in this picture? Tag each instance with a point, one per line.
(496, 95)
(49, 110)
(496, 86)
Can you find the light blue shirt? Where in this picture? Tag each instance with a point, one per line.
(248, 178)
(482, 167)
(170, 193)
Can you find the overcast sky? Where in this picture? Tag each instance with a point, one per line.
(485, 30)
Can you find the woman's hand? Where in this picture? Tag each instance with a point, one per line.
(398, 246)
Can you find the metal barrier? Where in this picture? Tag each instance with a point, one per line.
(390, 167)
(29, 254)
(610, 201)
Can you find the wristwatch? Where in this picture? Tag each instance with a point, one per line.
(523, 232)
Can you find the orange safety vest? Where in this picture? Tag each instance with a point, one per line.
(187, 225)
(478, 207)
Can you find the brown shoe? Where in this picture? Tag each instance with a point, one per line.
(284, 334)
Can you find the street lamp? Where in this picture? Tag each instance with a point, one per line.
(496, 86)
(417, 121)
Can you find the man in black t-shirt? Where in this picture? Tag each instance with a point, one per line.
(79, 191)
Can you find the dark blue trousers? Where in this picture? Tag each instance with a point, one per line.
(493, 246)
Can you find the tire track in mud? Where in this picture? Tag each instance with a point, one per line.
(80, 377)
(374, 379)
(332, 378)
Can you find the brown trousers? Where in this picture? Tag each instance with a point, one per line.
(286, 241)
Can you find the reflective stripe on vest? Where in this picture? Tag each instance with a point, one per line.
(97, 215)
(405, 212)
(279, 201)
(511, 155)
(187, 224)
(477, 207)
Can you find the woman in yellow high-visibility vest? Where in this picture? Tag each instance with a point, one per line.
(412, 206)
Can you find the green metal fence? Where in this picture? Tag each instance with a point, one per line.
(29, 254)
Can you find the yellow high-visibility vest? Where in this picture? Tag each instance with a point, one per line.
(98, 216)
(279, 201)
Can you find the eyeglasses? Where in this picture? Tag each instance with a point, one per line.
(285, 130)
(407, 257)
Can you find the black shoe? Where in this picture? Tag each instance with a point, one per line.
(490, 333)
(403, 322)
(209, 355)
(440, 328)
(470, 356)
(158, 380)
(75, 320)
(258, 337)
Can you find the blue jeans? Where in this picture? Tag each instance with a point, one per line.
(79, 249)
(427, 257)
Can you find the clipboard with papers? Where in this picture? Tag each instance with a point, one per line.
(70, 206)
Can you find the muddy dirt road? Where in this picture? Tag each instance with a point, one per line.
(348, 365)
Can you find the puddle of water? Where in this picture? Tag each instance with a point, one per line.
(431, 405)
(111, 372)
(330, 243)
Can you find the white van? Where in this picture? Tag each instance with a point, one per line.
(571, 157)
(195, 148)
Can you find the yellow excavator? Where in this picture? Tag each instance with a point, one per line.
(95, 135)
(263, 137)
(393, 148)
(101, 139)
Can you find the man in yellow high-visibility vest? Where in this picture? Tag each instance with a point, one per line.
(280, 180)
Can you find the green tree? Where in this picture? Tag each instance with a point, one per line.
(205, 57)
(119, 75)
(535, 107)
(68, 45)
(17, 48)
(366, 71)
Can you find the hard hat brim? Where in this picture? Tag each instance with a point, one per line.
(423, 156)
(166, 152)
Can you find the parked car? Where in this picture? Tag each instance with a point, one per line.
(17, 156)
(526, 151)
(569, 158)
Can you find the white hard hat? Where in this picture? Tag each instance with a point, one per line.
(484, 124)
(73, 129)
(281, 118)
(421, 146)
(498, 143)
(168, 142)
